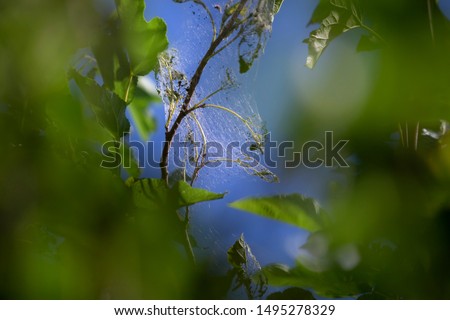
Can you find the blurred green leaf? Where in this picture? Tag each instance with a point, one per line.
(107, 106)
(372, 296)
(151, 193)
(129, 162)
(65, 113)
(368, 43)
(332, 283)
(293, 209)
(145, 123)
(143, 40)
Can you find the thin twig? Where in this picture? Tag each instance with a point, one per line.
(407, 134)
(400, 130)
(210, 16)
(430, 19)
(187, 243)
(227, 29)
(416, 139)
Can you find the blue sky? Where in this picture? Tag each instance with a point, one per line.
(217, 226)
(275, 80)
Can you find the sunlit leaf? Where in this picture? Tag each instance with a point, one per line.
(277, 6)
(144, 121)
(293, 209)
(187, 195)
(335, 17)
(112, 61)
(143, 40)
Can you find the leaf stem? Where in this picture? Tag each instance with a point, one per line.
(430, 19)
(127, 92)
(416, 138)
(188, 244)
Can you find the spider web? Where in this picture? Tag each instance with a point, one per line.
(230, 119)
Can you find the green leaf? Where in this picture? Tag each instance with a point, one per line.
(113, 62)
(107, 106)
(330, 283)
(247, 269)
(320, 12)
(368, 43)
(143, 40)
(129, 162)
(293, 209)
(373, 296)
(335, 17)
(277, 6)
(145, 123)
(237, 253)
(66, 114)
(188, 195)
(151, 193)
(244, 66)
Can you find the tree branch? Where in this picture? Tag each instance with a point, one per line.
(223, 34)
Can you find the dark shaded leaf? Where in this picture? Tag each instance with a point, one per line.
(151, 193)
(293, 209)
(368, 43)
(292, 294)
(107, 106)
(320, 12)
(246, 269)
(244, 66)
(371, 296)
(237, 253)
(129, 162)
(113, 62)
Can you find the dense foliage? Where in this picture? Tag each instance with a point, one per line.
(69, 228)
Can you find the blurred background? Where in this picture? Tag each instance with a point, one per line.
(70, 230)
